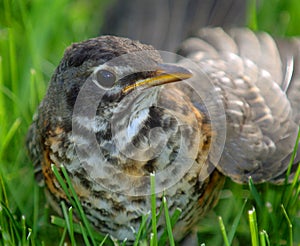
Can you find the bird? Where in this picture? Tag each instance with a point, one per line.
(115, 113)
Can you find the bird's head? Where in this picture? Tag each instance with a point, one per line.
(117, 66)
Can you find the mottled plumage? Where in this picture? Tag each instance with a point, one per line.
(111, 139)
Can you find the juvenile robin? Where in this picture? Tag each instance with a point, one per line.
(114, 113)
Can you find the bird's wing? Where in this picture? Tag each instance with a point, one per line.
(247, 70)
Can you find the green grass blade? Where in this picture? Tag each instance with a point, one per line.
(78, 205)
(3, 193)
(223, 231)
(77, 228)
(262, 238)
(58, 221)
(124, 242)
(252, 16)
(153, 210)
(2, 106)
(168, 221)
(8, 137)
(72, 196)
(289, 199)
(68, 222)
(255, 194)
(253, 227)
(33, 91)
(290, 226)
(70, 216)
(84, 235)
(296, 179)
(14, 226)
(141, 228)
(62, 183)
(152, 242)
(104, 240)
(63, 237)
(12, 60)
(288, 172)
(175, 216)
(23, 223)
(29, 237)
(267, 238)
(35, 210)
(235, 224)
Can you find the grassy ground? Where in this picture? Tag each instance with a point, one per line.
(33, 35)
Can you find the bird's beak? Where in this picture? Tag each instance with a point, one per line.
(164, 74)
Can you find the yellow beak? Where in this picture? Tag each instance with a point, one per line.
(164, 74)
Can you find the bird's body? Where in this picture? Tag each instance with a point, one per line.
(112, 120)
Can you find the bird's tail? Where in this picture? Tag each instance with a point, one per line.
(289, 50)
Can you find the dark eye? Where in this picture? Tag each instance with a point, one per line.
(105, 78)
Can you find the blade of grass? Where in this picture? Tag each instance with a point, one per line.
(68, 222)
(84, 235)
(153, 209)
(104, 240)
(163, 239)
(33, 96)
(235, 223)
(8, 137)
(63, 236)
(253, 227)
(70, 216)
(35, 210)
(266, 237)
(288, 172)
(294, 191)
(7, 229)
(288, 191)
(141, 228)
(78, 205)
(72, 194)
(252, 16)
(13, 62)
(152, 243)
(9, 94)
(3, 197)
(13, 225)
(23, 224)
(223, 230)
(124, 242)
(262, 238)
(158, 214)
(255, 194)
(290, 226)
(168, 221)
(62, 223)
(29, 237)
(2, 107)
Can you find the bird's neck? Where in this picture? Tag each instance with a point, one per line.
(135, 131)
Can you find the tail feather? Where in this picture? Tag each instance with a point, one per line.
(289, 50)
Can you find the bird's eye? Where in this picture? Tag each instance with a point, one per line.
(105, 78)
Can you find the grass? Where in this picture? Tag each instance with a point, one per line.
(33, 35)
